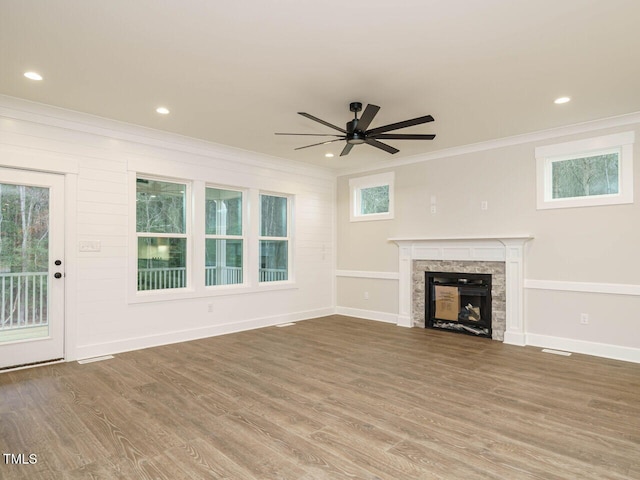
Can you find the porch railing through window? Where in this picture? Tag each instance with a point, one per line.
(24, 300)
(272, 275)
(163, 278)
(223, 275)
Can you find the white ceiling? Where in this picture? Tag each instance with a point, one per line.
(235, 72)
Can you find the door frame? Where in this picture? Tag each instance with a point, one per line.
(15, 159)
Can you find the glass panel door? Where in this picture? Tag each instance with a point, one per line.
(31, 267)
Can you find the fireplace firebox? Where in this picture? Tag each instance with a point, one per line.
(458, 302)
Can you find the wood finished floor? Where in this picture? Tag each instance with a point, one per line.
(330, 398)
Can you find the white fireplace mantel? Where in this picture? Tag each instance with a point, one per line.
(496, 248)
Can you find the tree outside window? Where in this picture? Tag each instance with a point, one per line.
(274, 238)
(585, 173)
(371, 197)
(583, 177)
(162, 234)
(374, 200)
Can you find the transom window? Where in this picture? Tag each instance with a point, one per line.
(371, 197)
(597, 174)
(596, 171)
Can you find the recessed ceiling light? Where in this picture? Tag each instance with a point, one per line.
(33, 75)
(328, 155)
(561, 100)
(162, 110)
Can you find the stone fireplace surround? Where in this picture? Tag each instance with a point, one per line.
(502, 256)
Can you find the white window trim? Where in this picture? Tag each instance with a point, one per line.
(243, 237)
(289, 239)
(547, 155)
(356, 185)
(161, 294)
(195, 245)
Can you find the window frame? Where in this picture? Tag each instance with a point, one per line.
(288, 239)
(187, 235)
(358, 184)
(196, 231)
(546, 156)
(243, 238)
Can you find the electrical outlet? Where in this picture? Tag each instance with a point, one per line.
(584, 319)
(366, 295)
(484, 205)
(210, 307)
(433, 209)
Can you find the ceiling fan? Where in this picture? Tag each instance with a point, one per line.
(356, 131)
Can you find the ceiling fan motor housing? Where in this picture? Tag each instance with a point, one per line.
(355, 136)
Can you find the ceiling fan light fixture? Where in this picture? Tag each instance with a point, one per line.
(357, 137)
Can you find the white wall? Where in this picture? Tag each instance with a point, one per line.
(99, 159)
(577, 249)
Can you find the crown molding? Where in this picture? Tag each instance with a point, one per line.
(584, 127)
(43, 114)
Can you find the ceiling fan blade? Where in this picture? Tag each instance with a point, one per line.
(382, 146)
(311, 134)
(347, 148)
(316, 119)
(321, 143)
(402, 136)
(367, 116)
(405, 124)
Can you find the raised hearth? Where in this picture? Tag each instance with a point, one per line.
(497, 255)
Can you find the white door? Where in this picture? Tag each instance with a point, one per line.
(31, 267)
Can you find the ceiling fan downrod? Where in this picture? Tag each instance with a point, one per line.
(354, 135)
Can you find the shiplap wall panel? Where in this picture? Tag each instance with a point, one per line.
(103, 154)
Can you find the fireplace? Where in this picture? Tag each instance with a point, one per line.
(502, 256)
(458, 302)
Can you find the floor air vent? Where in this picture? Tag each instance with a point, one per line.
(95, 359)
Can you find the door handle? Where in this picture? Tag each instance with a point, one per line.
(57, 275)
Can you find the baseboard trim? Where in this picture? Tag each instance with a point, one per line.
(139, 343)
(368, 314)
(595, 349)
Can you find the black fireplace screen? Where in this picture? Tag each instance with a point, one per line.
(459, 302)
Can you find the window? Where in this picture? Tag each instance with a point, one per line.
(274, 238)
(371, 197)
(161, 232)
(196, 239)
(596, 171)
(224, 243)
